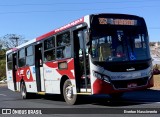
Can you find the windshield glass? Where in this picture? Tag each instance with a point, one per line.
(114, 44)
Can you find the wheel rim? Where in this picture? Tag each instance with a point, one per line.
(23, 92)
(69, 92)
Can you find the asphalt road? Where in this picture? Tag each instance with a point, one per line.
(140, 100)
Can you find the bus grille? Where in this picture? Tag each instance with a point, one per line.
(118, 84)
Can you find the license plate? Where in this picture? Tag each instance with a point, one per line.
(130, 85)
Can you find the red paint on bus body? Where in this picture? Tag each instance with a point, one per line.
(69, 71)
(25, 74)
(101, 87)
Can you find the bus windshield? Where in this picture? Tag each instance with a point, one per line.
(119, 44)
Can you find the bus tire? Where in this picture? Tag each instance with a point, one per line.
(68, 95)
(24, 93)
(116, 95)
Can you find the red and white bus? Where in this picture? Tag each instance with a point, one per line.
(96, 54)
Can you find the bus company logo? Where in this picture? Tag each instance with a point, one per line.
(28, 74)
(70, 25)
(48, 71)
(130, 69)
(21, 72)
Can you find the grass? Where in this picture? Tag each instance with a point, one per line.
(156, 82)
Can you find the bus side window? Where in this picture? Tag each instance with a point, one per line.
(29, 56)
(49, 49)
(49, 55)
(63, 46)
(67, 51)
(21, 61)
(9, 62)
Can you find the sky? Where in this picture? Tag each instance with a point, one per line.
(33, 18)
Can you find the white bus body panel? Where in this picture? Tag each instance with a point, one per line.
(31, 87)
(10, 80)
(52, 80)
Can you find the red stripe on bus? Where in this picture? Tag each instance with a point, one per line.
(76, 22)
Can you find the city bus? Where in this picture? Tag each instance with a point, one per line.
(96, 54)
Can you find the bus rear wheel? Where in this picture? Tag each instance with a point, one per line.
(24, 93)
(68, 95)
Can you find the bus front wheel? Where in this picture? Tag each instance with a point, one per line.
(69, 97)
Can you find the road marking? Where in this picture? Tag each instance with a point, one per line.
(141, 102)
(3, 95)
(151, 102)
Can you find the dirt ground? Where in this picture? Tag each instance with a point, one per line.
(156, 82)
(3, 84)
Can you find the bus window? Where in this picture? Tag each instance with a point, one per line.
(101, 48)
(21, 61)
(140, 46)
(63, 46)
(9, 62)
(29, 51)
(49, 43)
(49, 51)
(63, 39)
(29, 56)
(29, 60)
(49, 55)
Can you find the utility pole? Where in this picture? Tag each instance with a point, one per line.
(16, 40)
(13, 40)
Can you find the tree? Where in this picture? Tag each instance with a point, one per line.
(151, 43)
(6, 42)
(12, 40)
(3, 69)
(2, 64)
(1, 45)
(2, 54)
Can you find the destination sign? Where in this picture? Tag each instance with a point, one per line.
(112, 21)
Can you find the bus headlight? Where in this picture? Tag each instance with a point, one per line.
(101, 76)
(106, 79)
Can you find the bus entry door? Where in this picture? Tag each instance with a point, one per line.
(39, 68)
(14, 57)
(81, 61)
